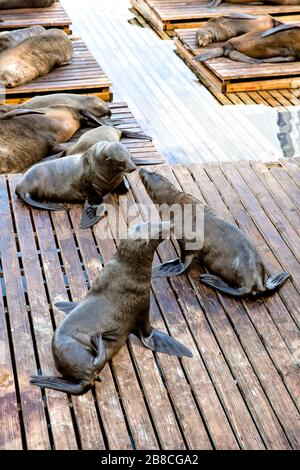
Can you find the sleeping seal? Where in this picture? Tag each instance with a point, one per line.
(77, 179)
(117, 305)
(10, 39)
(11, 4)
(28, 136)
(35, 57)
(226, 251)
(279, 44)
(222, 28)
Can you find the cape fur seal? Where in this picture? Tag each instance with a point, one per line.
(117, 305)
(279, 44)
(28, 136)
(10, 39)
(77, 179)
(216, 3)
(222, 28)
(11, 4)
(35, 57)
(226, 251)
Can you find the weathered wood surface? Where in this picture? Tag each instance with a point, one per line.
(227, 75)
(83, 75)
(240, 390)
(51, 17)
(166, 15)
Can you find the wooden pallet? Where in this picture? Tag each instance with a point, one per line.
(240, 390)
(51, 17)
(83, 75)
(166, 15)
(229, 76)
(143, 152)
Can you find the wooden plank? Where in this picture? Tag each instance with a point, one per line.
(54, 16)
(32, 403)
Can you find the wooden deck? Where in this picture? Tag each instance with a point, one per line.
(51, 17)
(227, 75)
(166, 16)
(83, 75)
(240, 390)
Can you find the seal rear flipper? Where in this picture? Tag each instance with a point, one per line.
(92, 214)
(275, 281)
(160, 342)
(171, 268)
(240, 57)
(136, 135)
(219, 284)
(20, 112)
(211, 54)
(62, 385)
(40, 205)
(278, 29)
(66, 307)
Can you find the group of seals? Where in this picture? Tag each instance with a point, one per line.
(226, 251)
(34, 57)
(78, 179)
(279, 44)
(11, 4)
(117, 304)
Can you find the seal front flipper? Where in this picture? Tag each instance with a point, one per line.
(92, 214)
(172, 268)
(123, 187)
(275, 281)
(66, 307)
(160, 342)
(100, 349)
(62, 385)
(39, 205)
(219, 284)
(211, 54)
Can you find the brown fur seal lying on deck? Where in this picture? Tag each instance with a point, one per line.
(117, 305)
(280, 44)
(78, 179)
(28, 136)
(222, 28)
(226, 251)
(11, 4)
(10, 39)
(35, 57)
(216, 3)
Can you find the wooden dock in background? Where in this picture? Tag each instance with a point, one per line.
(51, 17)
(84, 75)
(165, 16)
(240, 390)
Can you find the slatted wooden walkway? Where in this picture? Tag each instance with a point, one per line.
(241, 389)
(166, 15)
(51, 17)
(83, 75)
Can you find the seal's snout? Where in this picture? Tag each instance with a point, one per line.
(130, 167)
(109, 113)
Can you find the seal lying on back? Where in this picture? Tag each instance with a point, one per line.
(35, 57)
(77, 179)
(222, 28)
(28, 136)
(225, 250)
(117, 304)
(216, 3)
(280, 44)
(10, 39)
(10, 4)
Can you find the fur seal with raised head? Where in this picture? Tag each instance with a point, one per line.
(279, 44)
(78, 178)
(222, 28)
(10, 39)
(28, 136)
(35, 57)
(117, 305)
(226, 251)
(11, 4)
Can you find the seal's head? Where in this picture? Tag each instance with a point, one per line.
(112, 159)
(157, 186)
(96, 106)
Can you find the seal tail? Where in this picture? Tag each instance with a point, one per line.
(211, 54)
(39, 205)
(62, 385)
(136, 135)
(219, 284)
(276, 281)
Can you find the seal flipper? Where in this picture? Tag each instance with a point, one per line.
(40, 205)
(100, 349)
(160, 342)
(219, 284)
(92, 214)
(20, 112)
(136, 135)
(172, 268)
(62, 385)
(275, 281)
(66, 307)
(123, 187)
(210, 54)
